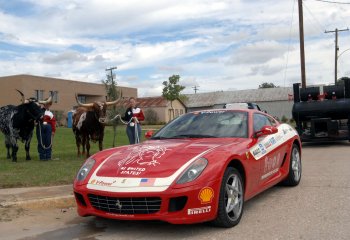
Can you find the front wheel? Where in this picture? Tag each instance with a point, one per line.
(231, 200)
(294, 174)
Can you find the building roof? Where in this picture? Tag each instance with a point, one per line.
(148, 102)
(145, 102)
(252, 95)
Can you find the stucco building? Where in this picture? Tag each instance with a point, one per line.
(62, 90)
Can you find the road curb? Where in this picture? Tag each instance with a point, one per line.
(43, 203)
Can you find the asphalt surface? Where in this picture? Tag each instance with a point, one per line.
(319, 208)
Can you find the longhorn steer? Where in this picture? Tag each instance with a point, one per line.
(17, 122)
(89, 123)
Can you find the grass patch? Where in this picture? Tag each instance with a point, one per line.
(64, 164)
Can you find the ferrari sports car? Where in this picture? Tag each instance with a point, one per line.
(200, 167)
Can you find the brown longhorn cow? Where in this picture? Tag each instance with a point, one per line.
(89, 121)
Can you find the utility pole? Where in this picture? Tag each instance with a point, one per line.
(195, 88)
(301, 39)
(336, 51)
(111, 70)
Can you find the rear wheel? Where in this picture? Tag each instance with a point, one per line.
(294, 174)
(231, 200)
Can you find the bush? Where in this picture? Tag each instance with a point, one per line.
(284, 119)
(151, 116)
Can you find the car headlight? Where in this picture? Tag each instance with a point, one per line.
(85, 169)
(193, 171)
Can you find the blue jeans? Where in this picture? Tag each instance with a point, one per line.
(44, 141)
(130, 131)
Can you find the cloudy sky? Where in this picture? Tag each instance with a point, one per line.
(214, 44)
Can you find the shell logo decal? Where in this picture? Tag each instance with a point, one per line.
(206, 195)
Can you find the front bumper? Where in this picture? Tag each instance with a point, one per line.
(186, 205)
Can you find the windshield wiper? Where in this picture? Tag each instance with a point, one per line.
(193, 136)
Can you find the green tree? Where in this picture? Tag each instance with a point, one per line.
(112, 94)
(267, 85)
(172, 90)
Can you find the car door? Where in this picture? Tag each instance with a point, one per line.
(271, 151)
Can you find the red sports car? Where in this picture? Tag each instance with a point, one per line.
(200, 167)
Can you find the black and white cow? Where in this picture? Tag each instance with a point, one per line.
(17, 122)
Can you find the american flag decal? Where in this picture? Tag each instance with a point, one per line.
(147, 182)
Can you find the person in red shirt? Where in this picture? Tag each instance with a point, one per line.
(45, 132)
(133, 116)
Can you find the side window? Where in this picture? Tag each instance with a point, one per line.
(260, 121)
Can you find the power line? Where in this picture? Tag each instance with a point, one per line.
(290, 36)
(335, 2)
(313, 16)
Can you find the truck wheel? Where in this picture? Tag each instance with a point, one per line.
(294, 174)
(231, 199)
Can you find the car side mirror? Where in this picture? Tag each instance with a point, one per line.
(149, 134)
(266, 130)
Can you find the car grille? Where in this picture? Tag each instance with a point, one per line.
(139, 205)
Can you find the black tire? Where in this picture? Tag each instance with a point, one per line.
(234, 203)
(294, 174)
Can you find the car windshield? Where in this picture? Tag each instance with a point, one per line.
(206, 124)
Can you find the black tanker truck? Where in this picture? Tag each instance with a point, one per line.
(322, 113)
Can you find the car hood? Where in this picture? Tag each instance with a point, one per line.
(154, 159)
(151, 166)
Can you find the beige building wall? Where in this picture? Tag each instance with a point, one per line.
(161, 113)
(66, 90)
(179, 109)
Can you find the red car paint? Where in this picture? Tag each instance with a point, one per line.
(151, 169)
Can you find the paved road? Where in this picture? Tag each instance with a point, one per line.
(319, 208)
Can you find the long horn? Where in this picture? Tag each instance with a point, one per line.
(22, 100)
(49, 100)
(83, 104)
(112, 103)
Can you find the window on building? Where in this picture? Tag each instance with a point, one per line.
(176, 112)
(54, 95)
(39, 94)
(181, 111)
(82, 98)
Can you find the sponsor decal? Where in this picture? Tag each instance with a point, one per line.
(262, 148)
(206, 195)
(93, 181)
(201, 210)
(247, 155)
(269, 174)
(147, 182)
(211, 112)
(256, 151)
(123, 181)
(145, 155)
(104, 183)
(271, 142)
(271, 165)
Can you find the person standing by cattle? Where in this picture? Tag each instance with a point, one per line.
(45, 132)
(133, 116)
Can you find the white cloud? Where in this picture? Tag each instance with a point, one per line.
(215, 44)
